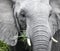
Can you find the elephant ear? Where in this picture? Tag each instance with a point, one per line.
(55, 4)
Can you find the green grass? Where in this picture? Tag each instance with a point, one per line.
(23, 37)
(3, 46)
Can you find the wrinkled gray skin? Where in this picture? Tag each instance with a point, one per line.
(55, 4)
(7, 25)
(55, 20)
(39, 24)
(37, 19)
(40, 27)
(8, 29)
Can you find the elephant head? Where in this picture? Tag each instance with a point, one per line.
(38, 29)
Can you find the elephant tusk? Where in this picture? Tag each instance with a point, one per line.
(54, 40)
(28, 41)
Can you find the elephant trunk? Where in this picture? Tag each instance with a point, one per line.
(41, 35)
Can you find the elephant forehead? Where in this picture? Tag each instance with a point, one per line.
(37, 8)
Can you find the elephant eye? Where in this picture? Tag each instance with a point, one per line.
(23, 13)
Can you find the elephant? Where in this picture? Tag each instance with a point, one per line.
(36, 13)
(40, 25)
(42, 21)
